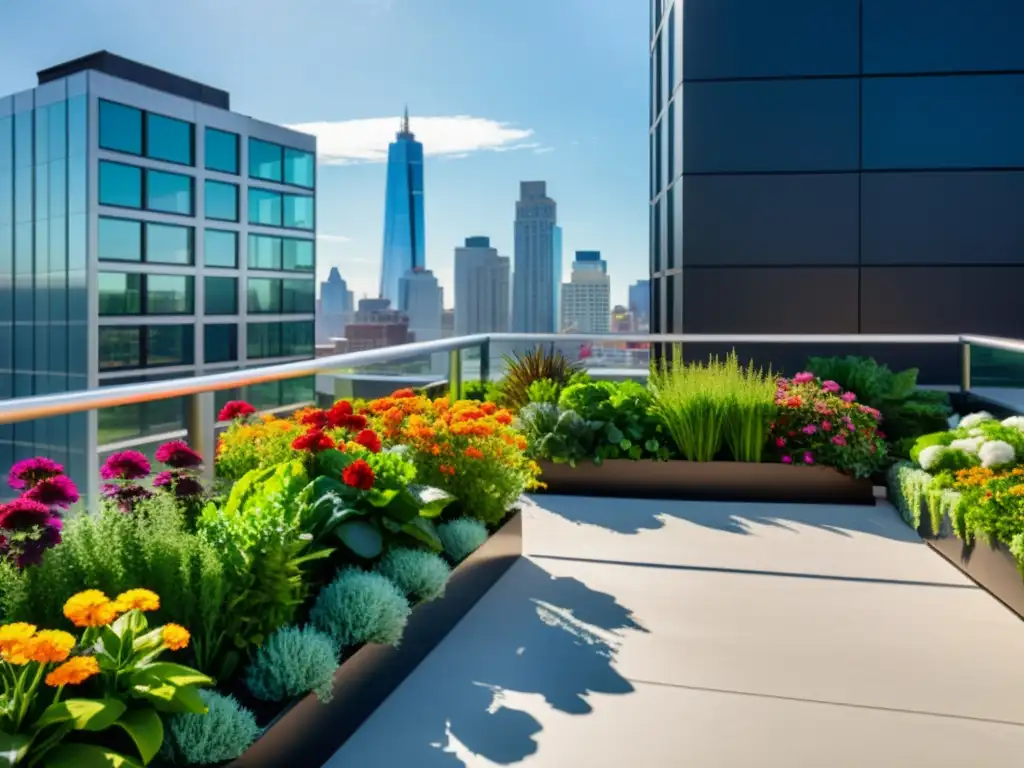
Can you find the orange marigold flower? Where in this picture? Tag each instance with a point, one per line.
(14, 642)
(73, 671)
(1017, 490)
(139, 600)
(402, 393)
(435, 449)
(91, 608)
(51, 646)
(474, 453)
(175, 636)
(503, 417)
(520, 442)
(488, 408)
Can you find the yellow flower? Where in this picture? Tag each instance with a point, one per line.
(73, 671)
(139, 600)
(14, 642)
(175, 637)
(91, 608)
(51, 646)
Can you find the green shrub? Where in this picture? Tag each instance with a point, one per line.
(462, 537)
(361, 607)
(418, 573)
(291, 663)
(542, 391)
(222, 734)
(620, 416)
(557, 435)
(481, 391)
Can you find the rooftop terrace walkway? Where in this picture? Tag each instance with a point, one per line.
(645, 633)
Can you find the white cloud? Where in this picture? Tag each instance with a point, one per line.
(543, 150)
(366, 140)
(333, 238)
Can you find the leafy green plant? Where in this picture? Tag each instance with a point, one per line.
(223, 733)
(484, 392)
(621, 417)
(421, 575)
(361, 607)
(553, 434)
(523, 370)
(293, 662)
(462, 537)
(543, 391)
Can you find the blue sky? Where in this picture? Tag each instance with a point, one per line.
(556, 89)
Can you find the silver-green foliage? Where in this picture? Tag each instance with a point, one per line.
(293, 662)
(462, 537)
(417, 572)
(908, 487)
(361, 607)
(223, 733)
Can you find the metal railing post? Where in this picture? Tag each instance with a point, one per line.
(485, 361)
(200, 423)
(965, 366)
(455, 375)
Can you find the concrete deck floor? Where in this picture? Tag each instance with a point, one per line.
(662, 634)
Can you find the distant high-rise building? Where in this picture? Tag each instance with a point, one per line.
(537, 261)
(376, 325)
(335, 307)
(640, 302)
(447, 323)
(586, 298)
(403, 212)
(481, 288)
(556, 260)
(421, 300)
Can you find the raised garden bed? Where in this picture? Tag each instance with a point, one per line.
(308, 731)
(717, 480)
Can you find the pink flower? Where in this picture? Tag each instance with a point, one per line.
(787, 459)
(780, 441)
(849, 397)
(830, 386)
(56, 491)
(22, 514)
(803, 377)
(808, 457)
(177, 454)
(781, 384)
(826, 425)
(28, 472)
(810, 429)
(125, 465)
(235, 409)
(874, 413)
(822, 407)
(880, 434)
(839, 440)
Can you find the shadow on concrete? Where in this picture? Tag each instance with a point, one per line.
(531, 634)
(630, 516)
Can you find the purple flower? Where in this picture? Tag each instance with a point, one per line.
(177, 454)
(56, 491)
(787, 459)
(163, 479)
(808, 457)
(830, 386)
(839, 440)
(187, 487)
(125, 465)
(780, 442)
(126, 495)
(29, 550)
(22, 514)
(849, 397)
(803, 377)
(810, 429)
(28, 472)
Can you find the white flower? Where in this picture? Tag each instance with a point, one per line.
(996, 453)
(930, 455)
(967, 444)
(976, 432)
(974, 419)
(1015, 422)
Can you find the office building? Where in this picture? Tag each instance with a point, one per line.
(537, 270)
(146, 231)
(447, 323)
(422, 301)
(586, 298)
(640, 303)
(377, 324)
(335, 307)
(482, 288)
(403, 212)
(842, 167)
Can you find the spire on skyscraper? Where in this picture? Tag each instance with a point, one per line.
(405, 120)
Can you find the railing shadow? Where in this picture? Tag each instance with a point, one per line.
(533, 634)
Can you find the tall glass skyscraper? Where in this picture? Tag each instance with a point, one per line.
(403, 212)
(538, 261)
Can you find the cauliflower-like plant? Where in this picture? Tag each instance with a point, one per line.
(1014, 422)
(974, 419)
(996, 453)
(361, 607)
(929, 457)
(969, 445)
(419, 573)
(292, 662)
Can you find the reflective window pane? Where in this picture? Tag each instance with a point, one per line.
(298, 211)
(120, 128)
(264, 295)
(169, 294)
(120, 293)
(221, 296)
(167, 244)
(297, 296)
(220, 343)
(264, 207)
(297, 338)
(169, 139)
(57, 140)
(299, 167)
(170, 345)
(264, 252)
(119, 239)
(120, 347)
(264, 160)
(220, 200)
(120, 185)
(263, 340)
(220, 248)
(221, 151)
(298, 255)
(169, 192)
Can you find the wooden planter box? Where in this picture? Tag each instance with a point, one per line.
(308, 732)
(715, 480)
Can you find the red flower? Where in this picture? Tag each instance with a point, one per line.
(794, 402)
(318, 420)
(403, 393)
(359, 475)
(177, 453)
(339, 413)
(314, 440)
(355, 422)
(474, 453)
(368, 439)
(235, 409)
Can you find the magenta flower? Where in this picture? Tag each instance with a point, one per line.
(125, 465)
(830, 386)
(810, 429)
(183, 484)
(163, 479)
(839, 440)
(808, 457)
(826, 425)
(782, 384)
(235, 409)
(126, 495)
(787, 459)
(874, 413)
(22, 514)
(780, 442)
(56, 491)
(849, 397)
(803, 378)
(28, 472)
(177, 454)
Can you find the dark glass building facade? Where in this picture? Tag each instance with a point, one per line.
(850, 166)
(403, 213)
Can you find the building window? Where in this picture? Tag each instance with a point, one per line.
(119, 239)
(120, 293)
(221, 151)
(169, 192)
(264, 252)
(221, 296)
(169, 140)
(220, 248)
(169, 295)
(168, 244)
(299, 167)
(169, 345)
(298, 212)
(264, 295)
(120, 347)
(220, 343)
(120, 128)
(297, 338)
(297, 296)
(298, 255)
(263, 340)
(264, 207)
(221, 200)
(120, 185)
(265, 160)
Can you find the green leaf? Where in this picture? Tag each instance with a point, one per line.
(148, 642)
(360, 537)
(87, 756)
(423, 530)
(146, 730)
(651, 445)
(429, 500)
(109, 643)
(381, 497)
(166, 672)
(85, 714)
(242, 488)
(614, 434)
(902, 384)
(331, 463)
(13, 747)
(402, 508)
(133, 621)
(168, 697)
